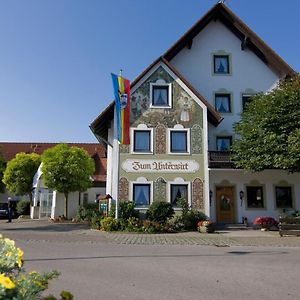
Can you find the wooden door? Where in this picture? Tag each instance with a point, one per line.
(225, 203)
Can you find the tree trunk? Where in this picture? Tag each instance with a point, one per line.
(30, 198)
(66, 205)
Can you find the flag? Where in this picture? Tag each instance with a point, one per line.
(122, 102)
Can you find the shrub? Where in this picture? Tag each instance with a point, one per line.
(87, 212)
(96, 222)
(126, 210)
(160, 212)
(192, 218)
(112, 210)
(133, 225)
(109, 224)
(23, 207)
(15, 283)
(151, 226)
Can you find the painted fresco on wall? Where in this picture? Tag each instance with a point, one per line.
(184, 109)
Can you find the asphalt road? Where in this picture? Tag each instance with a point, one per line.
(95, 266)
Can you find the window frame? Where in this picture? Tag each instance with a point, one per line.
(257, 187)
(248, 96)
(229, 102)
(161, 83)
(188, 148)
(291, 196)
(227, 56)
(229, 137)
(133, 139)
(138, 183)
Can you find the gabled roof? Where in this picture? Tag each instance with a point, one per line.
(248, 38)
(101, 123)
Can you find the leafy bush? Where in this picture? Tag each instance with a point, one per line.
(126, 210)
(87, 212)
(160, 212)
(109, 224)
(151, 226)
(15, 283)
(23, 207)
(112, 210)
(192, 218)
(96, 222)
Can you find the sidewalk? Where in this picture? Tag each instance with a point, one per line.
(45, 231)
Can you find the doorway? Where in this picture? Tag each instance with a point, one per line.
(225, 204)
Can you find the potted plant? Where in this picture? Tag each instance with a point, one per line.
(206, 226)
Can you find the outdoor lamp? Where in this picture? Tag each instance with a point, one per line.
(241, 197)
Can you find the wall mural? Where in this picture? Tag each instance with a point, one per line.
(197, 194)
(196, 140)
(184, 110)
(160, 139)
(160, 189)
(123, 189)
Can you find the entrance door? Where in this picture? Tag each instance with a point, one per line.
(45, 203)
(225, 204)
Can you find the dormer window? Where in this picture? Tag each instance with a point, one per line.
(160, 94)
(221, 64)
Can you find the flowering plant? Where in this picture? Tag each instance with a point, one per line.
(14, 282)
(205, 223)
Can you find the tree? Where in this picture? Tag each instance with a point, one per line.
(67, 169)
(269, 130)
(19, 173)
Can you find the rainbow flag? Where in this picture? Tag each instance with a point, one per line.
(122, 102)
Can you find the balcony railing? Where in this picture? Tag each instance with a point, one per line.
(220, 160)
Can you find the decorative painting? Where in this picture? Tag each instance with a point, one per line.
(197, 194)
(124, 148)
(160, 139)
(183, 111)
(160, 189)
(196, 139)
(123, 189)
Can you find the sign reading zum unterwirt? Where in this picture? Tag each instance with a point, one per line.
(167, 166)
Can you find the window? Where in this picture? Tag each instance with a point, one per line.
(255, 197)
(160, 94)
(221, 64)
(85, 198)
(223, 103)
(179, 191)
(141, 194)
(283, 197)
(224, 143)
(179, 141)
(142, 141)
(245, 100)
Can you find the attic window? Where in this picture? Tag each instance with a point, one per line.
(221, 64)
(160, 94)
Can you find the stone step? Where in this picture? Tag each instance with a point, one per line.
(236, 226)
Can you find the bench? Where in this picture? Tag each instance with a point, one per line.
(289, 226)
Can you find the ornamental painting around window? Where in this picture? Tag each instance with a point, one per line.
(221, 64)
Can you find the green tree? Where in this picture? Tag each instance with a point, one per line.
(19, 173)
(67, 169)
(269, 130)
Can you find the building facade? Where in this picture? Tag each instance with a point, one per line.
(183, 107)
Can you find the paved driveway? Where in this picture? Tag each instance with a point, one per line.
(98, 265)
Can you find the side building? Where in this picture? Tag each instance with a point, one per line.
(183, 107)
(49, 203)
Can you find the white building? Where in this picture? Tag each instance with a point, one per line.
(203, 82)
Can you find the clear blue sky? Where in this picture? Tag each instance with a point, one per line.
(56, 56)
